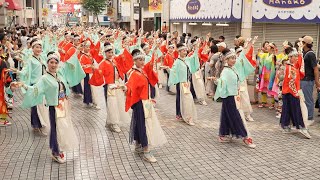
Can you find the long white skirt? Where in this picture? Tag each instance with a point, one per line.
(154, 131)
(209, 85)
(116, 113)
(304, 110)
(198, 85)
(244, 98)
(242, 114)
(43, 113)
(94, 91)
(162, 77)
(66, 136)
(187, 107)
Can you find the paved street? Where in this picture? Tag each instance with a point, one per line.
(191, 152)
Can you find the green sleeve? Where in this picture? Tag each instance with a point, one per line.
(34, 94)
(25, 74)
(73, 71)
(193, 62)
(173, 75)
(243, 67)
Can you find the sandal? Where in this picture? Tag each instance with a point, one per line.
(271, 106)
(178, 118)
(225, 139)
(262, 105)
(249, 143)
(254, 102)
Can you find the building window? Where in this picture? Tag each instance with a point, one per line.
(28, 3)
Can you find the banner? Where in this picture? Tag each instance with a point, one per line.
(304, 11)
(72, 1)
(206, 10)
(65, 8)
(155, 5)
(45, 12)
(125, 9)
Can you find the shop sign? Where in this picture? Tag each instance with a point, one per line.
(65, 8)
(193, 6)
(287, 3)
(290, 11)
(72, 2)
(206, 10)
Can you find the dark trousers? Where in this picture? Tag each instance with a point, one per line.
(53, 142)
(192, 89)
(138, 126)
(167, 74)
(291, 110)
(178, 109)
(77, 89)
(152, 92)
(230, 120)
(35, 120)
(87, 96)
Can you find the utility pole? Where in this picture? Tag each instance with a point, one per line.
(140, 15)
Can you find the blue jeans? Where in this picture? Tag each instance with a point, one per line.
(307, 89)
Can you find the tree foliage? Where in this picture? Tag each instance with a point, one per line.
(94, 6)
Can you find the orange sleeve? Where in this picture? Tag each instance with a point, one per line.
(164, 49)
(69, 53)
(249, 56)
(128, 61)
(97, 78)
(300, 65)
(175, 54)
(152, 76)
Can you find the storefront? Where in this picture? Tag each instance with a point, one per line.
(277, 21)
(272, 20)
(200, 17)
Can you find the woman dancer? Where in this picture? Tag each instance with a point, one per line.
(145, 128)
(54, 87)
(180, 75)
(294, 109)
(33, 69)
(243, 90)
(87, 62)
(232, 121)
(168, 61)
(111, 73)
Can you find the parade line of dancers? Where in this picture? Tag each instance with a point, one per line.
(131, 67)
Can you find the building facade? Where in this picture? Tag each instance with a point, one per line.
(21, 12)
(272, 20)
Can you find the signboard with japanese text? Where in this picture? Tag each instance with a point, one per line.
(72, 1)
(206, 10)
(125, 9)
(65, 8)
(306, 11)
(155, 5)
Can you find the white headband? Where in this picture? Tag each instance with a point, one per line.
(53, 56)
(182, 48)
(293, 53)
(229, 55)
(145, 46)
(239, 49)
(37, 42)
(138, 55)
(87, 43)
(77, 38)
(171, 46)
(108, 47)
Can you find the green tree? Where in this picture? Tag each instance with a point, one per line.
(95, 7)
